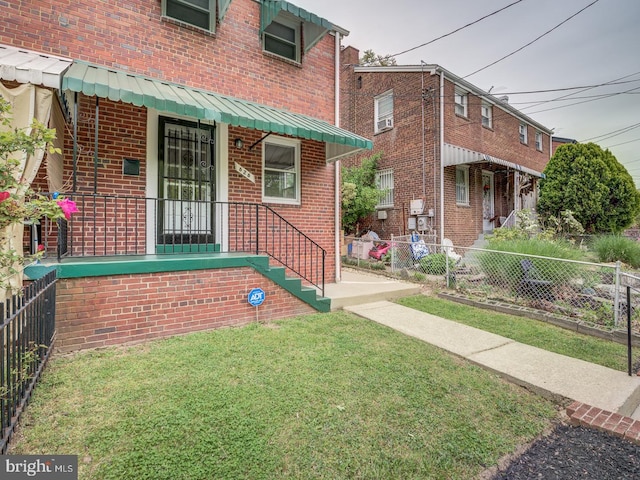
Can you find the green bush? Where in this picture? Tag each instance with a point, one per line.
(436, 264)
(506, 270)
(613, 248)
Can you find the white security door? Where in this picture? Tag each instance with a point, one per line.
(487, 201)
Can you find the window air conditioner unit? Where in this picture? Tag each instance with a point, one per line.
(385, 124)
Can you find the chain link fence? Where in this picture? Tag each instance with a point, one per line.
(587, 293)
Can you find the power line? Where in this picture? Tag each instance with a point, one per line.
(585, 101)
(534, 40)
(623, 143)
(454, 31)
(612, 134)
(585, 89)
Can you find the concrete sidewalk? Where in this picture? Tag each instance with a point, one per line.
(550, 374)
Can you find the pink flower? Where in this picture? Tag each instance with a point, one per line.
(41, 248)
(4, 196)
(68, 207)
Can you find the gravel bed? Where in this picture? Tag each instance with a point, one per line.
(575, 453)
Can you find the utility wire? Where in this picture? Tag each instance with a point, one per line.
(612, 82)
(534, 40)
(454, 31)
(586, 101)
(609, 135)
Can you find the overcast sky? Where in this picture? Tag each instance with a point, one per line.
(599, 45)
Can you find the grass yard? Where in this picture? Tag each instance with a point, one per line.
(323, 396)
(526, 330)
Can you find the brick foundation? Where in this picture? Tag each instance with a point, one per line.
(112, 310)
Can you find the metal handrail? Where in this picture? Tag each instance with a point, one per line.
(114, 225)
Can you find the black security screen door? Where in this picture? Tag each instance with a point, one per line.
(187, 182)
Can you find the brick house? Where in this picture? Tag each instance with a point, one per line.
(456, 159)
(199, 142)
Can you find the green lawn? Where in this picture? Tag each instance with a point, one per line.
(526, 330)
(324, 396)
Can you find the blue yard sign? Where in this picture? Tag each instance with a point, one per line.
(256, 297)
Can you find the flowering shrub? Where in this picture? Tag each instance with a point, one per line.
(18, 203)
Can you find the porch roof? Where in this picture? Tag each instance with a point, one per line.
(454, 155)
(26, 66)
(93, 80)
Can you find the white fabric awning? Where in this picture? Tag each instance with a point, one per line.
(454, 155)
(26, 66)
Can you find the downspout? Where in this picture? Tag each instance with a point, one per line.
(338, 203)
(440, 157)
(424, 168)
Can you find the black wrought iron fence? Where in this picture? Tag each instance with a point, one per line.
(631, 308)
(121, 225)
(28, 332)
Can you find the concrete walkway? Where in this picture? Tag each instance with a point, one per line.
(552, 375)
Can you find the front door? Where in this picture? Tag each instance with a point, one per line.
(487, 202)
(186, 183)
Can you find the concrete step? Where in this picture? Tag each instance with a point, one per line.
(356, 288)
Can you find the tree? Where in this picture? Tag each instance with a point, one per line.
(360, 194)
(371, 59)
(18, 203)
(592, 184)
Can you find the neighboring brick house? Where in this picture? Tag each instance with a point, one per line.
(557, 141)
(455, 159)
(201, 129)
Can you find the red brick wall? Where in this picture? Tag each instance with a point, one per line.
(112, 310)
(316, 212)
(416, 168)
(132, 36)
(501, 141)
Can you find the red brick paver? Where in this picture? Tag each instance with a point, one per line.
(587, 416)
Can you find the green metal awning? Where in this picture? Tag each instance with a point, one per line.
(314, 27)
(92, 80)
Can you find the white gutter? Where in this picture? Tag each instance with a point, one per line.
(338, 203)
(441, 162)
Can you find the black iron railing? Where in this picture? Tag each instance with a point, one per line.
(28, 331)
(121, 225)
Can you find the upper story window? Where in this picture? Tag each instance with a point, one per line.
(281, 170)
(383, 112)
(487, 115)
(539, 141)
(462, 102)
(384, 181)
(523, 133)
(282, 38)
(462, 185)
(199, 13)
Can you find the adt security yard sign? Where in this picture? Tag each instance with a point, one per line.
(256, 297)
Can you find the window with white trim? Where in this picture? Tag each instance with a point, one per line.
(461, 99)
(523, 133)
(384, 182)
(487, 115)
(199, 13)
(462, 185)
(281, 170)
(282, 38)
(383, 111)
(539, 141)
